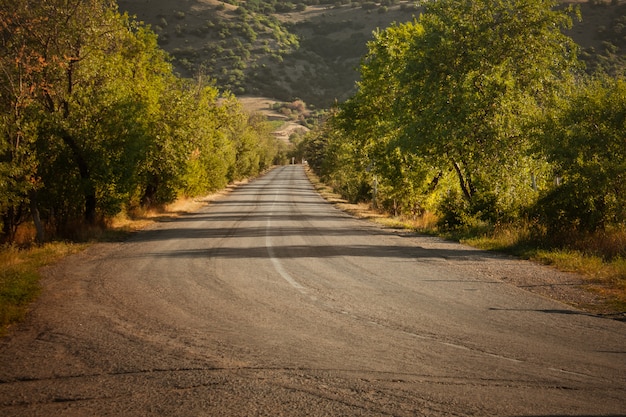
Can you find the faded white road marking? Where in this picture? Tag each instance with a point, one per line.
(275, 261)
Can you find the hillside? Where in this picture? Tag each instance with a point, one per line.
(287, 51)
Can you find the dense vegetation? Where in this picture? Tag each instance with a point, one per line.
(481, 112)
(233, 49)
(94, 122)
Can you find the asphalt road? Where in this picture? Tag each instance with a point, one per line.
(270, 302)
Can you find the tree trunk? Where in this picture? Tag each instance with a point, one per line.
(465, 184)
(435, 181)
(150, 192)
(85, 175)
(10, 221)
(34, 211)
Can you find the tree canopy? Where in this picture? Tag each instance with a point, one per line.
(452, 111)
(94, 121)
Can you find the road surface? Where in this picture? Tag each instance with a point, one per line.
(270, 302)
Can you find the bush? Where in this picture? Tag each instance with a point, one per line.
(586, 143)
(453, 211)
(568, 209)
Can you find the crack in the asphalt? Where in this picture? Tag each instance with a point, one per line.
(406, 378)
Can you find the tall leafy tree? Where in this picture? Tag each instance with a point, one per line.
(213, 153)
(21, 74)
(455, 93)
(85, 74)
(479, 73)
(92, 119)
(251, 136)
(162, 172)
(110, 125)
(367, 123)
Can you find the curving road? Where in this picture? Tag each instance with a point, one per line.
(270, 302)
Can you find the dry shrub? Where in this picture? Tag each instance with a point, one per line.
(25, 235)
(79, 231)
(426, 221)
(608, 244)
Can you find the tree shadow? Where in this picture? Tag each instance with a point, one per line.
(324, 251)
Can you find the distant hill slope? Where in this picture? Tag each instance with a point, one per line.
(312, 52)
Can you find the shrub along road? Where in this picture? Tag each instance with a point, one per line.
(271, 302)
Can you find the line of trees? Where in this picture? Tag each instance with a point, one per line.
(93, 120)
(481, 111)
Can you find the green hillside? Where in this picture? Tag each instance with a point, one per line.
(286, 50)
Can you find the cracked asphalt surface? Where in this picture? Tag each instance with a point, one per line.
(271, 302)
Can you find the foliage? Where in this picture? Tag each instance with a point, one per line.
(456, 95)
(234, 48)
(480, 111)
(94, 121)
(586, 142)
(527, 152)
(366, 123)
(312, 55)
(479, 75)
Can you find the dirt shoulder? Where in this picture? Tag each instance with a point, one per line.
(570, 288)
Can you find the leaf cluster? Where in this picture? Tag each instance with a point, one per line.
(585, 142)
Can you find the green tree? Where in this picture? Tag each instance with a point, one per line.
(161, 177)
(118, 107)
(88, 96)
(213, 152)
(370, 121)
(91, 83)
(479, 74)
(22, 69)
(93, 120)
(455, 95)
(586, 142)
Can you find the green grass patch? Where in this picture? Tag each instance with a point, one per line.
(19, 277)
(606, 277)
(276, 124)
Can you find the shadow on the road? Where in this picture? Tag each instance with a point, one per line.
(328, 251)
(216, 226)
(239, 203)
(243, 232)
(275, 223)
(547, 311)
